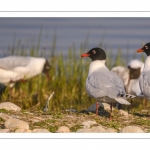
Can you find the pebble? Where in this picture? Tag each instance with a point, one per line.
(132, 129)
(4, 116)
(23, 131)
(88, 123)
(94, 129)
(36, 119)
(97, 129)
(107, 106)
(40, 131)
(124, 113)
(63, 129)
(110, 130)
(92, 108)
(86, 130)
(71, 110)
(9, 106)
(16, 124)
(5, 130)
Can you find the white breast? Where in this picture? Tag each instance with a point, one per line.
(94, 65)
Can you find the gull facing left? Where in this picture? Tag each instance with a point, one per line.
(101, 83)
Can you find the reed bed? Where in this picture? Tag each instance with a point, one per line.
(68, 74)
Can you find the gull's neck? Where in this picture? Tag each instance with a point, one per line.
(94, 65)
(147, 64)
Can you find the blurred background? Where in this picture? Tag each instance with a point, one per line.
(111, 34)
(62, 41)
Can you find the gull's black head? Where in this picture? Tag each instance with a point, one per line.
(46, 69)
(95, 54)
(145, 48)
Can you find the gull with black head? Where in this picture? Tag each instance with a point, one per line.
(144, 80)
(21, 68)
(101, 83)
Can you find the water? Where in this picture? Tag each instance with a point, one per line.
(127, 34)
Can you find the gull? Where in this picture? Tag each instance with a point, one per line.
(101, 83)
(20, 68)
(130, 76)
(144, 80)
(123, 73)
(135, 67)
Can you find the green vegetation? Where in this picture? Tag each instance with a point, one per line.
(68, 74)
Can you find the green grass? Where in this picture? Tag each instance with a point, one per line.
(68, 74)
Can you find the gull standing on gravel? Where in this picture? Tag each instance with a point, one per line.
(21, 68)
(101, 83)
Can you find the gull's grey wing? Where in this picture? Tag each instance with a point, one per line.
(144, 82)
(11, 62)
(104, 83)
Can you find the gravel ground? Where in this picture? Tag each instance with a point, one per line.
(73, 121)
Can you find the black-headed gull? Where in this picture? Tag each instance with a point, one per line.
(101, 83)
(21, 68)
(144, 80)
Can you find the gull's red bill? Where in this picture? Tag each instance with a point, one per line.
(85, 55)
(140, 50)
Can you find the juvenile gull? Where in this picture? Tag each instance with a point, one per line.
(135, 67)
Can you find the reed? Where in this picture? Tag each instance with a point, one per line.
(68, 74)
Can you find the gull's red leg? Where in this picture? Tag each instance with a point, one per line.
(97, 106)
(110, 111)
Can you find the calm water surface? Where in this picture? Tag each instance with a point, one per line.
(126, 34)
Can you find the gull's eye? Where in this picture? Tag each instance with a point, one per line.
(146, 47)
(94, 52)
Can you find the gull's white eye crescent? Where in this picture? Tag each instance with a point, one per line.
(146, 47)
(94, 52)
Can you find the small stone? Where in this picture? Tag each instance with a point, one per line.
(71, 117)
(9, 106)
(97, 129)
(132, 129)
(63, 129)
(110, 130)
(23, 131)
(16, 116)
(92, 108)
(4, 116)
(107, 106)
(124, 113)
(16, 124)
(71, 110)
(88, 123)
(40, 131)
(36, 119)
(5, 130)
(86, 130)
